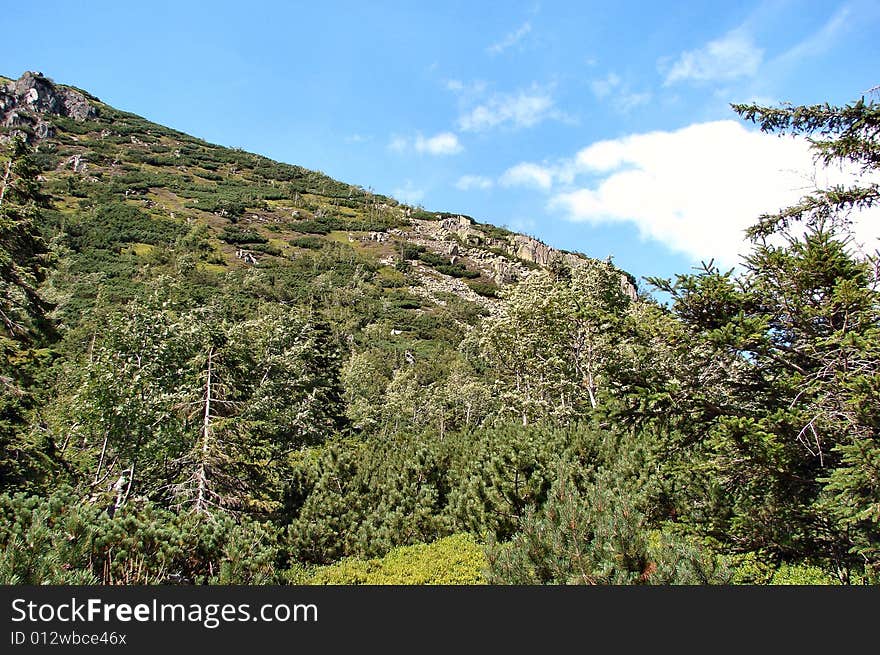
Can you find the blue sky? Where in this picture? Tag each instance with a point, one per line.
(598, 127)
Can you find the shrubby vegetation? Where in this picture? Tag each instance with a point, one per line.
(440, 263)
(58, 539)
(454, 560)
(169, 414)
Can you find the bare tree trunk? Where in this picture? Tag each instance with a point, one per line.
(5, 180)
(202, 473)
(121, 496)
(101, 460)
(590, 385)
(120, 499)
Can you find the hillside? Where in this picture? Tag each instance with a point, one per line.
(254, 211)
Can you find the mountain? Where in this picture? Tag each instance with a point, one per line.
(254, 212)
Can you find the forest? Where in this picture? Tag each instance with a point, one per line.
(206, 379)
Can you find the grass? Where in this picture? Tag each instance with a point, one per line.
(340, 236)
(141, 249)
(211, 268)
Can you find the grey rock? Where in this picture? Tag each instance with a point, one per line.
(44, 130)
(456, 236)
(26, 102)
(77, 163)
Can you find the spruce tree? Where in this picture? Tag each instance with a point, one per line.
(24, 327)
(775, 385)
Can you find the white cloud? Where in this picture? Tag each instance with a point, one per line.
(398, 143)
(522, 109)
(408, 193)
(527, 174)
(698, 188)
(510, 39)
(630, 100)
(357, 138)
(732, 56)
(466, 90)
(603, 87)
(468, 182)
(613, 88)
(444, 143)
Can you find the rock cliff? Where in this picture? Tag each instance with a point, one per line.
(25, 102)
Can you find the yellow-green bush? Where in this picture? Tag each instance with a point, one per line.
(757, 569)
(454, 560)
(802, 574)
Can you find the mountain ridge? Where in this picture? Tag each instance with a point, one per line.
(453, 252)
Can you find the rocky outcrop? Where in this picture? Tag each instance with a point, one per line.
(25, 103)
(432, 285)
(504, 258)
(531, 250)
(519, 246)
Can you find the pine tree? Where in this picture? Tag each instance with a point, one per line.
(593, 534)
(776, 378)
(24, 327)
(849, 135)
